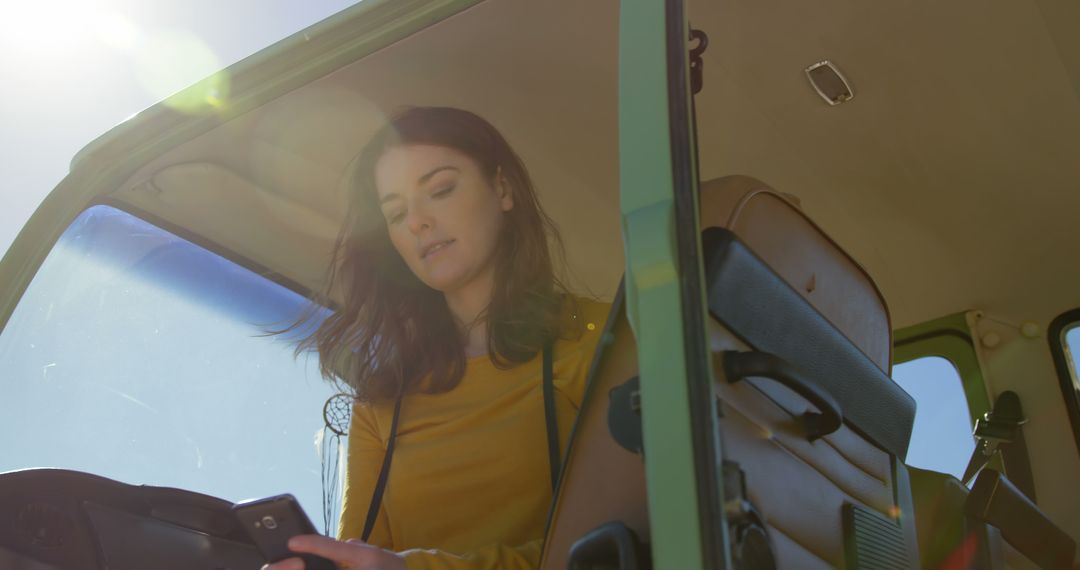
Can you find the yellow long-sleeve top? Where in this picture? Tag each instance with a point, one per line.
(470, 485)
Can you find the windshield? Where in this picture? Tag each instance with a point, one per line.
(140, 356)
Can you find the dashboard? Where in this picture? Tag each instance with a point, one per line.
(53, 519)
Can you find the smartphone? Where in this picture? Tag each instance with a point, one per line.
(270, 522)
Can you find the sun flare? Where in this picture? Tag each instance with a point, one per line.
(58, 38)
(63, 27)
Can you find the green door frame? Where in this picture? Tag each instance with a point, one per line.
(664, 291)
(950, 338)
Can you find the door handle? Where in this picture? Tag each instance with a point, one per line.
(738, 365)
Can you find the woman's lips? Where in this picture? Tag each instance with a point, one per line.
(435, 248)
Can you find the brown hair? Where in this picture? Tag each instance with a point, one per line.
(392, 331)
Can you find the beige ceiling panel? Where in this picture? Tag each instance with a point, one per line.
(953, 164)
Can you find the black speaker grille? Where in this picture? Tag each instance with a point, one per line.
(873, 541)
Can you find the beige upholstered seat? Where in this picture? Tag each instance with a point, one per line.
(806, 492)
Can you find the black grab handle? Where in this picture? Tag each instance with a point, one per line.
(738, 365)
(610, 545)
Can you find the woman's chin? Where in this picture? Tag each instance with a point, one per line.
(444, 279)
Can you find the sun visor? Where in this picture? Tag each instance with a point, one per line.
(217, 208)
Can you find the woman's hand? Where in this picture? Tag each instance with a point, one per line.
(350, 555)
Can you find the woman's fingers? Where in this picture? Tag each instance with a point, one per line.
(333, 549)
(349, 555)
(287, 564)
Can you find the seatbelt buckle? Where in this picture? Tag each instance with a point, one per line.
(991, 432)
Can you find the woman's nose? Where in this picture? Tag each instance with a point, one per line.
(418, 220)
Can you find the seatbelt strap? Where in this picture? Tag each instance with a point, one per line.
(1000, 431)
(550, 419)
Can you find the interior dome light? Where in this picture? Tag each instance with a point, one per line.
(829, 83)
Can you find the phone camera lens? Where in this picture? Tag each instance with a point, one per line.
(269, 522)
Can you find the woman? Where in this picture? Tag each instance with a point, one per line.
(451, 308)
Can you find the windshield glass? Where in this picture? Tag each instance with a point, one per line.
(142, 357)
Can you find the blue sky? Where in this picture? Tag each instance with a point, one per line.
(72, 69)
(941, 439)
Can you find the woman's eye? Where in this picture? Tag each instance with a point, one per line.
(395, 217)
(444, 191)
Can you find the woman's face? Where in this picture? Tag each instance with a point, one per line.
(442, 213)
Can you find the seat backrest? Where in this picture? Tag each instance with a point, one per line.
(773, 226)
(601, 481)
(810, 494)
(829, 493)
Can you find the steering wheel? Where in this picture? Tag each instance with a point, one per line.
(78, 521)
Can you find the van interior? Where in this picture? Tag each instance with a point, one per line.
(947, 176)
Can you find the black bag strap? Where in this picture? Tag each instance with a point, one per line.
(552, 434)
(384, 472)
(554, 457)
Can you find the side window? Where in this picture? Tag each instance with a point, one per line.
(1072, 352)
(937, 364)
(941, 439)
(1072, 343)
(139, 356)
(1064, 335)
